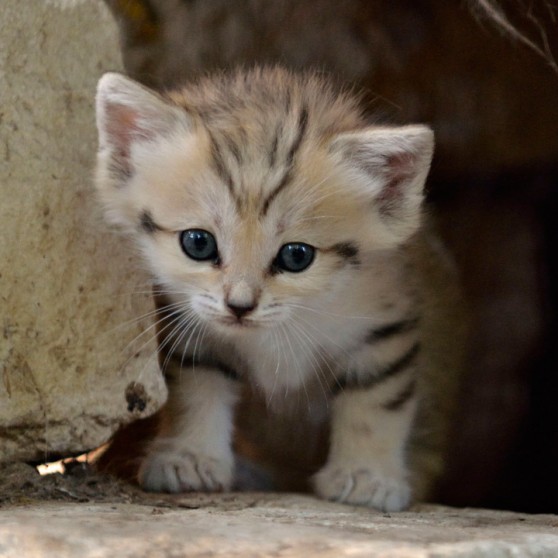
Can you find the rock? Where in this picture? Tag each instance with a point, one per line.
(70, 294)
(258, 525)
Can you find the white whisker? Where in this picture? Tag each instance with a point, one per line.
(328, 358)
(199, 341)
(309, 350)
(187, 344)
(274, 335)
(328, 338)
(297, 364)
(143, 317)
(183, 327)
(151, 337)
(325, 313)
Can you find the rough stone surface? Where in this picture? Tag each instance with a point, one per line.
(69, 291)
(257, 525)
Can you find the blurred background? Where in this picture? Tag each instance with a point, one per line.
(482, 74)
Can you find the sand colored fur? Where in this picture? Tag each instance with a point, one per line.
(259, 162)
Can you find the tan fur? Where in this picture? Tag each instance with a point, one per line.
(262, 159)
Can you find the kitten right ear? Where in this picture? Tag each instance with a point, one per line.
(128, 112)
(390, 166)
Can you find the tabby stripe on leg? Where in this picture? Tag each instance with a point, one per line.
(227, 371)
(390, 330)
(401, 365)
(402, 397)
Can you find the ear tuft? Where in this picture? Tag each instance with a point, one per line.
(390, 166)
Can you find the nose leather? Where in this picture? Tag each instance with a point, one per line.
(241, 298)
(240, 311)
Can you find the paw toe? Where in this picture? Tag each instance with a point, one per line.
(363, 487)
(176, 472)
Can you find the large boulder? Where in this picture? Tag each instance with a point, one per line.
(74, 363)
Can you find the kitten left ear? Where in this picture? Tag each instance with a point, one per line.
(390, 166)
(128, 112)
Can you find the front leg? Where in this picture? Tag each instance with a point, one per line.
(371, 421)
(193, 449)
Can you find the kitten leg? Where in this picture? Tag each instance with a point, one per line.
(370, 428)
(193, 450)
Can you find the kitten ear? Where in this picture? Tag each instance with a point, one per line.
(128, 112)
(390, 166)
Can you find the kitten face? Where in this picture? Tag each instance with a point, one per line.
(251, 213)
(184, 193)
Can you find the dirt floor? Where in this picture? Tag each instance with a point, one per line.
(83, 513)
(21, 483)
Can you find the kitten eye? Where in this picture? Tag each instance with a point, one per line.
(294, 257)
(199, 245)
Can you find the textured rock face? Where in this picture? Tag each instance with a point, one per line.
(269, 525)
(69, 291)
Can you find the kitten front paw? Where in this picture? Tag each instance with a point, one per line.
(362, 486)
(184, 471)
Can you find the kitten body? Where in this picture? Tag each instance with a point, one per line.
(283, 232)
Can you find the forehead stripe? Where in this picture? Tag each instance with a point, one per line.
(221, 169)
(273, 152)
(302, 125)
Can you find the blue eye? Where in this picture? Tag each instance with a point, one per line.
(294, 257)
(199, 245)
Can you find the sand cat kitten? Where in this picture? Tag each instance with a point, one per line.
(278, 222)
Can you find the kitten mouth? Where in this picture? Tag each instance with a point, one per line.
(238, 324)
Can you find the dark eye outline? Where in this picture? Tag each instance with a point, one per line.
(188, 249)
(280, 264)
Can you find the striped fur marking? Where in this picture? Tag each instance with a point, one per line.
(391, 330)
(221, 168)
(302, 125)
(189, 361)
(401, 365)
(234, 149)
(348, 251)
(147, 224)
(289, 160)
(272, 157)
(402, 397)
(227, 371)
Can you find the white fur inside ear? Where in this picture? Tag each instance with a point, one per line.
(128, 112)
(389, 167)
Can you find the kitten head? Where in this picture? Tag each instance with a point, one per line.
(257, 193)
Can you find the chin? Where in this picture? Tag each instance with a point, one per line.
(234, 327)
